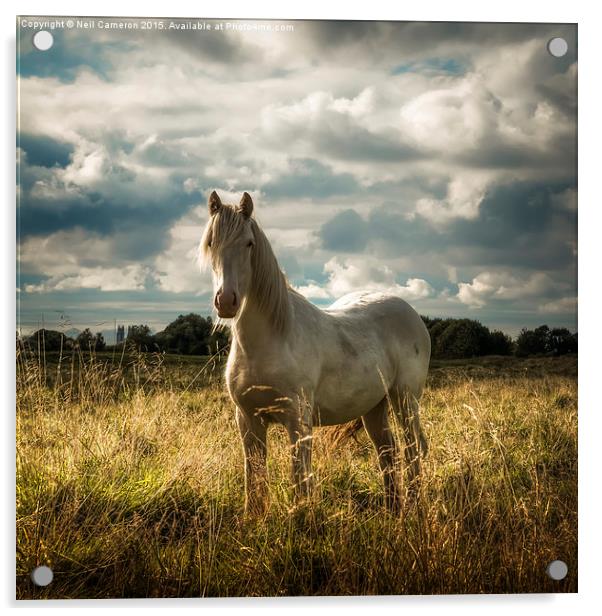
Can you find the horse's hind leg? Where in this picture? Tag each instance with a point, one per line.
(377, 426)
(407, 409)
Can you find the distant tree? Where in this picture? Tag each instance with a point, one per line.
(533, 341)
(561, 341)
(462, 338)
(455, 338)
(436, 329)
(429, 321)
(85, 340)
(188, 335)
(140, 337)
(500, 343)
(49, 340)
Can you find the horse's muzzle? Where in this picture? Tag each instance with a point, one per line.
(226, 303)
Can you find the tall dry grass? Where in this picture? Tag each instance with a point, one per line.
(132, 487)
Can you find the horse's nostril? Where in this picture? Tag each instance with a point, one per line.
(225, 301)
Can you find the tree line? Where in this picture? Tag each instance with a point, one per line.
(189, 334)
(193, 334)
(463, 338)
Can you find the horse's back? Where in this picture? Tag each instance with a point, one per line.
(394, 325)
(387, 310)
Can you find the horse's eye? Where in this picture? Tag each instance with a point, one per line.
(250, 245)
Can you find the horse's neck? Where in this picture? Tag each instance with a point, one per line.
(271, 310)
(254, 330)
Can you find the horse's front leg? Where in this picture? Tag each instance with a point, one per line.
(299, 424)
(253, 432)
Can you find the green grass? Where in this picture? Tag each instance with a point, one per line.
(129, 484)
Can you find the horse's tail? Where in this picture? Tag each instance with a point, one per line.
(342, 433)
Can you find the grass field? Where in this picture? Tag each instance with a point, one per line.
(130, 484)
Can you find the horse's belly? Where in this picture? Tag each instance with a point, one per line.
(344, 397)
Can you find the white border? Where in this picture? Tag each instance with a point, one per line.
(590, 178)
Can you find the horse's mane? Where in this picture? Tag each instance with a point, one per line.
(269, 287)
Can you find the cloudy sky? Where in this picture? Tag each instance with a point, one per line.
(436, 161)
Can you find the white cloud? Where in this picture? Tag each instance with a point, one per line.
(414, 289)
(347, 133)
(313, 291)
(65, 252)
(88, 166)
(464, 197)
(364, 274)
(504, 285)
(314, 110)
(453, 118)
(128, 278)
(77, 259)
(177, 268)
(361, 105)
(564, 305)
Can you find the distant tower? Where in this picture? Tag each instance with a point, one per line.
(120, 334)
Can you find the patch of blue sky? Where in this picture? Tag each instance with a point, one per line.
(313, 271)
(67, 57)
(451, 66)
(29, 279)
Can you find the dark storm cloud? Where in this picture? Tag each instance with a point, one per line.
(165, 153)
(496, 153)
(37, 217)
(565, 101)
(395, 235)
(43, 151)
(310, 178)
(519, 225)
(215, 46)
(146, 228)
(145, 218)
(347, 231)
(421, 35)
(385, 40)
(29, 174)
(358, 144)
(406, 192)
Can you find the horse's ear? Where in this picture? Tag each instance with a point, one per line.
(214, 203)
(245, 206)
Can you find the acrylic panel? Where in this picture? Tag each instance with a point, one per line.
(296, 307)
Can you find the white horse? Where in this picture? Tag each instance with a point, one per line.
(300, 366)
